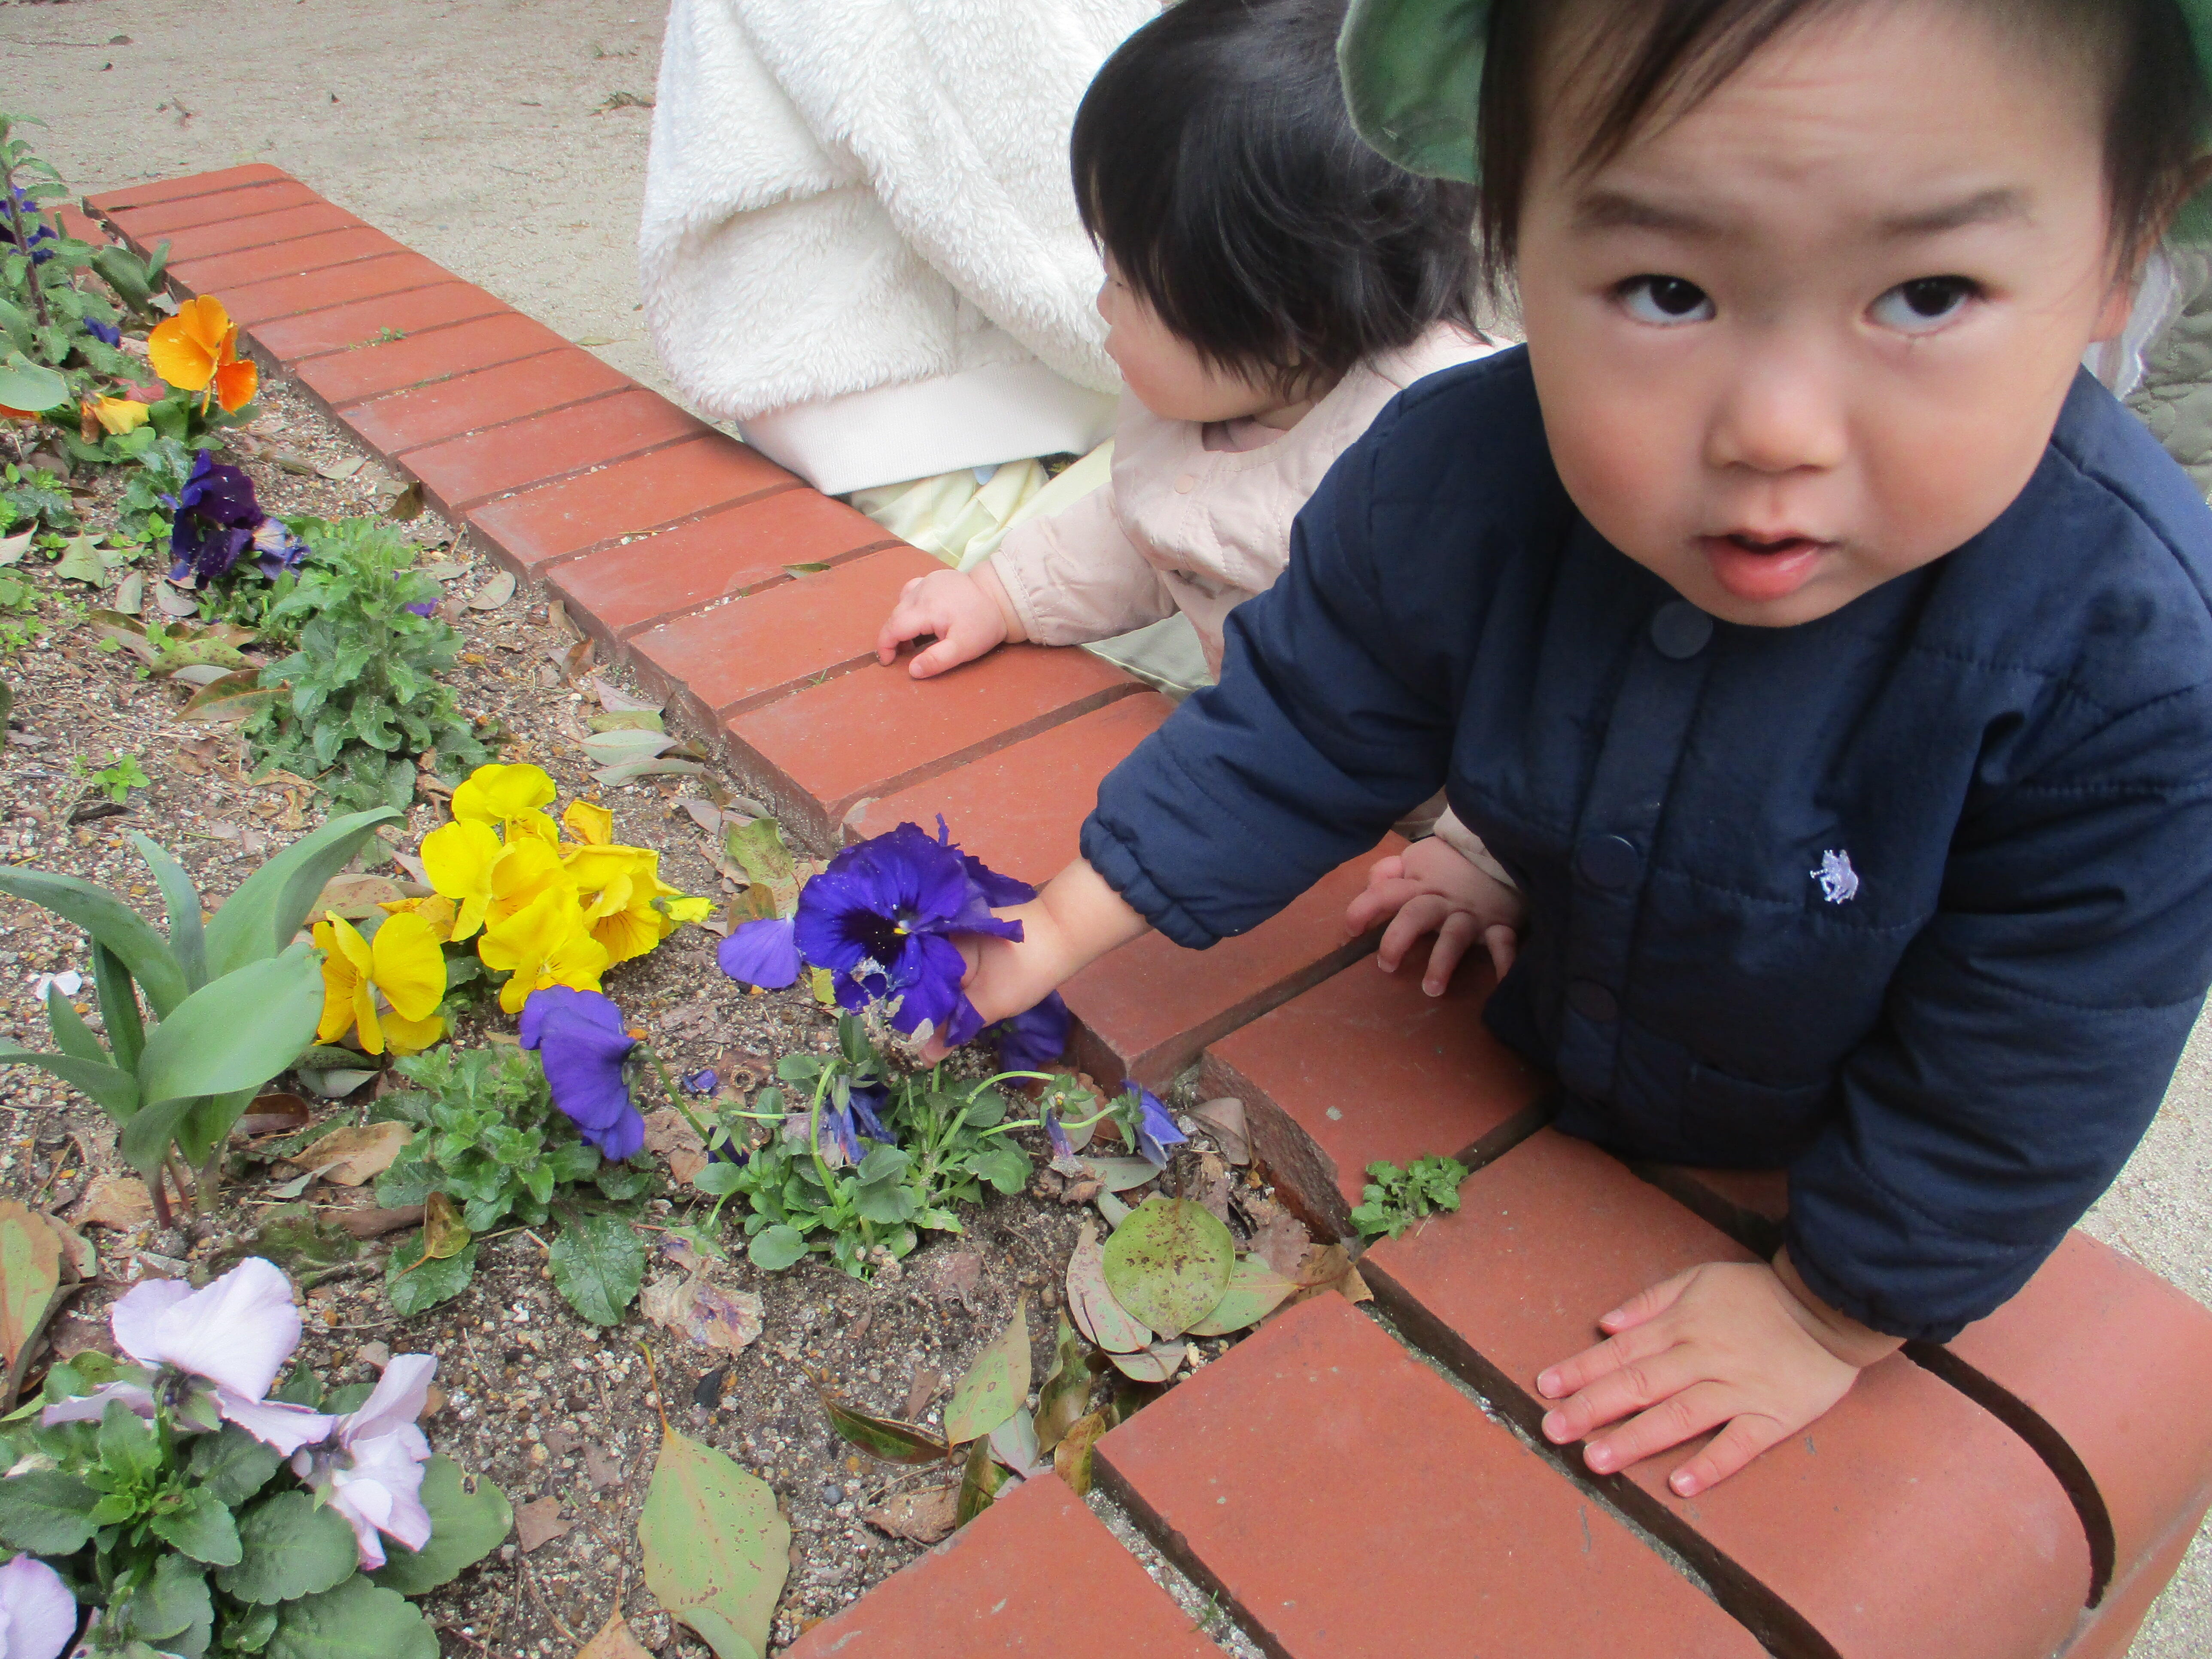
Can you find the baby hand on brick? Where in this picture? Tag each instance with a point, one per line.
(1734, 1346)
(966, 610)
(1432, 888)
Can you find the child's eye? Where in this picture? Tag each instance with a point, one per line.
(1926, 304)
(1665, 301)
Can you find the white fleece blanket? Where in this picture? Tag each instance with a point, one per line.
(850, 194)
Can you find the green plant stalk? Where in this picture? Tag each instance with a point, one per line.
(16, 222)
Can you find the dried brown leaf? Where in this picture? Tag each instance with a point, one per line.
(538, 1524)
(350, 1156)
(919, 1517)
(614, 1641)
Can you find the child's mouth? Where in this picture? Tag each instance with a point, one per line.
(1762, 567)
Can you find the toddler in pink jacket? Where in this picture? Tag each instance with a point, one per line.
(1271, 284)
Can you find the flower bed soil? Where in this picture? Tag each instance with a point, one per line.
(562, 1415)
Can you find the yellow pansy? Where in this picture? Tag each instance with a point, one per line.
(590, 823)
(457, 858)
(508, 794)
(404, 963)
(543, 943)
(519, 874)
(440, 912)
(118, 415)
(693, 910)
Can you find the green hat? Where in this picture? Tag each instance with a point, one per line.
(1412, 77)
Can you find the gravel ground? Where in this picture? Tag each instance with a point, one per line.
(565, 1417)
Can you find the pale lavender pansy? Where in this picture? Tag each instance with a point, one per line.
(373, 1473)
(38, 1614)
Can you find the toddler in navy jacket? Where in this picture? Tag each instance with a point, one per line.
(1828, 659)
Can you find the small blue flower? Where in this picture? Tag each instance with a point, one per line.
(105, 333)
(762, 953)
(1156, 1130)
(276, 550)
(579, 1040)
(1032, 1041)
(702, 1082)
(850, 1115)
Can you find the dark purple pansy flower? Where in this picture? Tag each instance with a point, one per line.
(702, 1082)
(105, 333)
(881, 919)
(276, 549)
(1031, 1042)
(855, 1118)
(1155, 1129)
(762, 953)
(216, 517)
(580, 1039)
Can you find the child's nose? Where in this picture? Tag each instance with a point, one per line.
(1779, 416)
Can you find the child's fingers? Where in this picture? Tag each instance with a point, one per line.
(1504, 944)
(1746, 1435)
(1647, 1303)
(1422, 915)
(1630, 1381)
(945, 654)
(1681, 1416)
(1383, 896)
(1454, 935)
(906, 621)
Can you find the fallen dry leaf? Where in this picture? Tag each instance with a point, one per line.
(928, 1382)
(696, 1308)
(614, 1641)
(538, 1524)
(77, 1253)
(1224, 1118)
(603, 1469)
(1329, 1268)
(956, 1276)
(118, 1202)
(272, 1115)
(375, 1224)
(919, 1517)
(356, 896)
(350, 1156)
(1282, 1241)
(668, 1134)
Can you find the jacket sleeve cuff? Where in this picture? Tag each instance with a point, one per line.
(1804, 1256)
(1117, 864)
(1468, 845)
(1018, 578)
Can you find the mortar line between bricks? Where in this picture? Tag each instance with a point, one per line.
(782, 579)
(471, 504)
(1778, 1626)
(659, 527)
(365, 398)
(823, 676)
(517, 420)
(1109, 1511)
(443, 278)
(1186, 1560)
(499, 308)
(247, 218)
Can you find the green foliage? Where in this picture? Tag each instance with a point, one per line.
(488, 1138)
(802, 1196)
(1394, 1199)
(363, 699)
(116, 780)
(31, 495)
(234, 1002)
(713, 1547)
(191, 1543)
(159, 467)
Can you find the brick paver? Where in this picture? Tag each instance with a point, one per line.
(298, 340)
(536, 447)
(1367, 1065)
(1349, 1503)
(1907, 1520)
(151, 221)
(476, 396)
(212, 273)
(191, 185)
(626, 498)
(362, 279)
(256, 230)
(401, 361)
(1035, 1575)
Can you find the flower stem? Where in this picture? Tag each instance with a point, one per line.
(668, 1087)
(23, 245)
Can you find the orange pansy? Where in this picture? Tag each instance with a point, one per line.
(197, 350)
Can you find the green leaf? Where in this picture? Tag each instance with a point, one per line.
(773, 1248)
(237, 1031)
(883, 1437)
(597, 1262)
(1092, 1306)
(231, 1464)
(71, 1035)
(979, 1484)
(46, 1512)
(249, 1630)
(356, 1620)
(204, 1529)
(171, 1603)
(996, 1386)
(464, 1528)
(292, 1547)
(715, 1549)
(414, 1287)
(1254, 1291)
(80, 560)
(719, 1179)
(260, 919)
(27, 386)
(111, 922)
(1006, 1167)
(186, 933)
(127, 1445)
(1169, 1263)
(757, 848)
(30, 1273)
(118, 1008)
(206, 1125)
(1066, 1389)
(117, 1091)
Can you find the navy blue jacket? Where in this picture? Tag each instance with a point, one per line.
(1915, 900)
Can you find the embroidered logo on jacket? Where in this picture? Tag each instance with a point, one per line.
(1839, 882)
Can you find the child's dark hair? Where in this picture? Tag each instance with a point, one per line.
(1668, 54)
(1216, 164)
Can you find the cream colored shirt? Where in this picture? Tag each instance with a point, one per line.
(1183, 527)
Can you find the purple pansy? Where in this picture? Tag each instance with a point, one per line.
(579, 1040)
(422, 610)
(856, 1119)
(106, 333)
(762, 953)
(216, 517)
(1155, 1129)
(881, 920)
(703, 1082)
(276, 549)
(1032, 1041)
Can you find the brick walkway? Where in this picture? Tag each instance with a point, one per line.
(2022, 1491)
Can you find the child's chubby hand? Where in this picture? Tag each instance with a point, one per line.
(1735, 1343)
(1430, 888)
(966, 610)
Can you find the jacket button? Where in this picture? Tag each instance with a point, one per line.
(1608, 861)
(1593, 1001)
(1681, 630)
(1185, 485)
